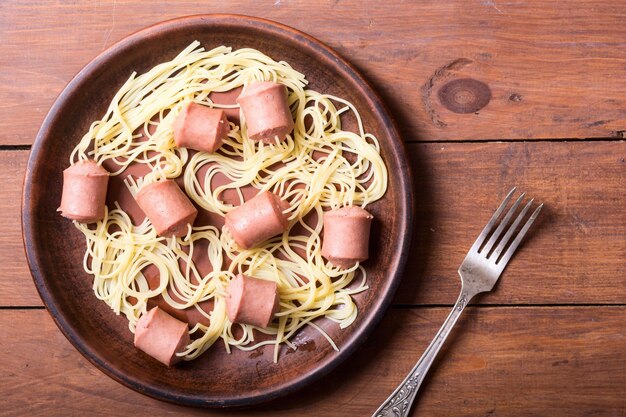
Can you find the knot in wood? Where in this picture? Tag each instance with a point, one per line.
(464, 95)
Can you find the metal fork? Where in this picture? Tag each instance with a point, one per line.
(479, 272)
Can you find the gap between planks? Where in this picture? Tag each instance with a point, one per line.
(422, 306)
(450, 141)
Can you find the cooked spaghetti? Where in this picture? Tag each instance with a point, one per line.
(318, 167)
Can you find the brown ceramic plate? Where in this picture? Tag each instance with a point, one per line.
(55, 248)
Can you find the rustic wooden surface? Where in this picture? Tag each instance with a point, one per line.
(500, 364)
(550, 340)
(555, 70)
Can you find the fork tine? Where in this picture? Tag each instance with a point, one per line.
(509, 253)
(492, 221)
(494, 237)
(509, 233)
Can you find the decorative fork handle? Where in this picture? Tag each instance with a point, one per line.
(399, 402)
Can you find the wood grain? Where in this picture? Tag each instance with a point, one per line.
(555, 70)
(16, 284)
(577, 248)
(574, 255)
(531, 361)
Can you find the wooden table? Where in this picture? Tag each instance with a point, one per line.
(549, 341)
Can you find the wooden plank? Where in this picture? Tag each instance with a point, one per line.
(531, 361)
(577, 248)
(16, 284)
(554, 70)
(575, 254)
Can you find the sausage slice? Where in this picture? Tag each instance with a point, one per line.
(267, 113)
(167, 206)
(256, 220)
(251, 301)
(346, 236)
(84, 192)
(161, 336)
(200, 127)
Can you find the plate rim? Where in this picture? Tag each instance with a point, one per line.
(406, 222)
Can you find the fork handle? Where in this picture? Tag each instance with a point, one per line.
(399, 402)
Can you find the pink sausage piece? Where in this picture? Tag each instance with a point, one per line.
(251, 301)
(201, 128)
(167, 206)
(267, 114)
(84, 192)
(346, 236)
(161, 336)
(256, 220)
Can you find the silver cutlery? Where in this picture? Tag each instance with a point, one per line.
(479, 272)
